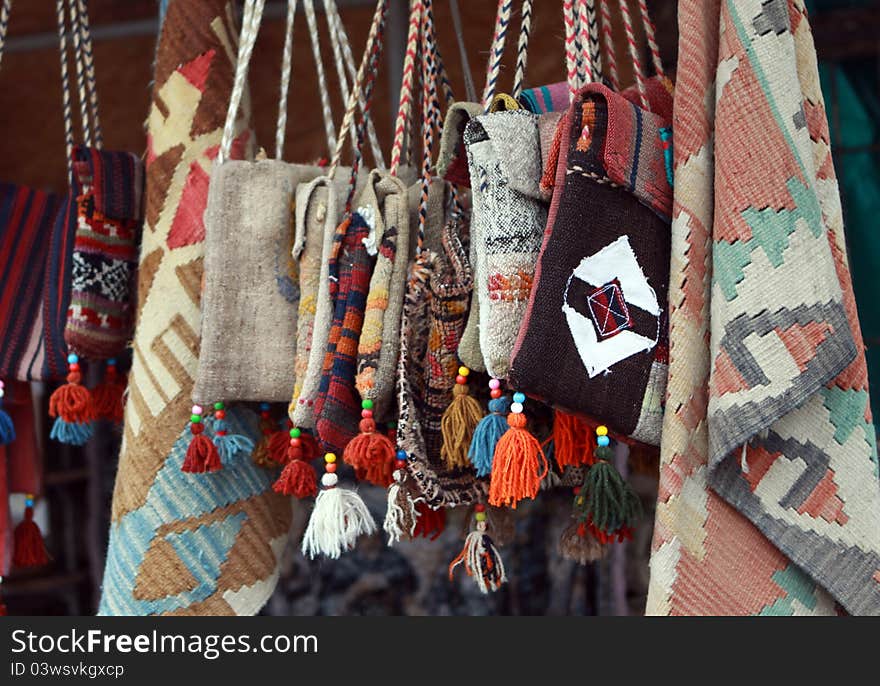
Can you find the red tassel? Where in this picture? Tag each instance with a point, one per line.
(201, 455)
(72, 401)
(573, 441)
(430, 523)
(371, 453)
(107, 396)
(29, 548)
(519, 465)
(298, 477)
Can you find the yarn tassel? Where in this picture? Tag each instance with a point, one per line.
(7, 428)
(572, 440)
(458, 423)
(480, 557)
(487, 434)
(107, 396)
(201, 453)
(260, 454)
(519, 464)
(430, 523)
(370, 453)
(339, 518)
(577, 543)
(71, 406)
(606, 503)
(402, 514)
(29, 549)
(298, 477)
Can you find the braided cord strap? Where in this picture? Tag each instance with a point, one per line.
(286, 67)
(608, 45)
(634, 53)
(5, 8)
(79, 63)
(572, 48)
(430, 116)
(404, 107)
(585, 56)
(650, 36)
(522, 49)
(65, 88)
(250, 26)
(496, 52)
(340, 39)
(89, 60)
(326, 110)
(365, 79)
(593, 38)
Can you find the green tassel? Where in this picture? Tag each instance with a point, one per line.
(606, 499)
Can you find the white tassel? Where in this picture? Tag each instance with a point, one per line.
(339, 517)
(481, 560)
(399, 515)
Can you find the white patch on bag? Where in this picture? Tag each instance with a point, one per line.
(618, 283)
(371, 242)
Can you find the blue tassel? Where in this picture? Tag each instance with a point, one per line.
(7, 430)
(231, 446)
(487, 434)
(71, 433)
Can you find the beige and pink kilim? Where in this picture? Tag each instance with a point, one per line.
(185, 543)
(765, 345)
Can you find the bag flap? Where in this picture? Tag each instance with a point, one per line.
(117, 180)
(516, 148)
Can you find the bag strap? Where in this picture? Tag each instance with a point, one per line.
(469, 88)
(326, 110)
(286, 68)
(589, 24)
(363, 84)
(85, 73)
(404, 107)
(608, 58)
(5, 8)
(250, 26)
(496, 51)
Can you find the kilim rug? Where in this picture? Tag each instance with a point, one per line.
(185, 543)
(765, 346)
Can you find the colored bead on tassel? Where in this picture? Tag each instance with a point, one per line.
(201, 454)
(401, 516)
(71, 406)
(29, 549)
(339, 518)
(489, 431)
(606, 504)
(107, 396)
(519, 464)
(370, 453)
(230, 447)
(7, 429)
(458, 423)
(298, 477)
(480, 557)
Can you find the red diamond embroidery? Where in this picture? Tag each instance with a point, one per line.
(608, 310)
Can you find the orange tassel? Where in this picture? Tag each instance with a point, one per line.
(29, 549)
(201, 456)
(370, 453)
(298, 479)
(573, 442)
(519, 465)
(72, 401)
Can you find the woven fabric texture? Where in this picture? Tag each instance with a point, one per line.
(765, 347)
(251, 294)
(509, 217)
(185, 543)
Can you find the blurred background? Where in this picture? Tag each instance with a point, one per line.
(410, 578)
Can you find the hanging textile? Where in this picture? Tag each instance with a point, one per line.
(768, 501)
(165, 521)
